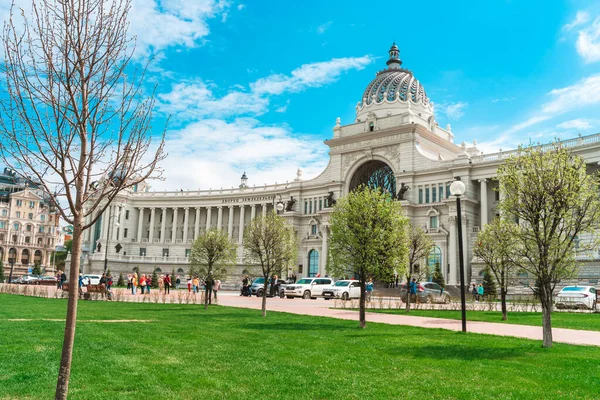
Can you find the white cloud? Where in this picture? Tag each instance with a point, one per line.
(584, 93)
(322, 28)
(588, 42)
(453, 110)
(241, 6)
(194, 99)
(268, 154)
(577, 124)
(582, 17)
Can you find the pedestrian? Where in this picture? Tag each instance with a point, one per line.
(63, 278)
(293, 278)
(189, 283)
(369, 289)
(195, 284)
(134, 283)
(397, 280)
(216, 288)
(474, 292)
(148, 283)
(58, 282)
(413, 290)
(129, 279)
(245, 284)
(109, 282)
(103, 279)
(480, 292)
(167, 284)
(177, 282)
(80, 285)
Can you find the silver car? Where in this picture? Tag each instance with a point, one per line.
(427, 292)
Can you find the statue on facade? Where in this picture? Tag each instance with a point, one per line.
(290, 203)
(403, 189)
(118, 247)
(330, 199)
(98, 247)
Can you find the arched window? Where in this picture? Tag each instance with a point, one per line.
(434, 259)
(313, 263)
(371, 127)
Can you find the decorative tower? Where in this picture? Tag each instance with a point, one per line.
(244, 181)
(394, 62)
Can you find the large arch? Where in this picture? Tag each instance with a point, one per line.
(374, 174)
(313, 263)
(25, 257)
(38, 257)
(12, 255)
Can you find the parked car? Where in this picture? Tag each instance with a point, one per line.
(344, 289)
(576, 297)
(427, 292)
(258, 286)
(307, 288)
(91, 279)
(29, 279)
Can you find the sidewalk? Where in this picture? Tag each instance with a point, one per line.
(322, 308)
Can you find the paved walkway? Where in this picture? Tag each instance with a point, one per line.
(322, 308)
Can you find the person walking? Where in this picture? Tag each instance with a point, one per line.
(474, 292)
(58, 281)
(195, 284)
(167, 283)
(369, 289)
(480, 292)
(63, 278)
(209, 282)
(129, 279)
(143, 283)
(109, 282)
(177, 282)
(134, 283)
(189, 283)
(216, 288)
(245, 284)
(413, 290)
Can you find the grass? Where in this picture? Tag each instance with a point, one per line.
(188, 353)
(582, 321)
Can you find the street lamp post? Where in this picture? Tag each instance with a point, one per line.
(12, 265)
(108, 238)
(457, 188)
(278, 207)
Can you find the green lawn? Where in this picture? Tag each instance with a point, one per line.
(583, 321)
(189, 353)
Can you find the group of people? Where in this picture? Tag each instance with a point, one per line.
(144, 282)
(209, 284)
(477, 291)
(61, 278)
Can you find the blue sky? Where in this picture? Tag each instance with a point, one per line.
(257, 85)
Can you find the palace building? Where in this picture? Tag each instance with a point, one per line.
(394, 142)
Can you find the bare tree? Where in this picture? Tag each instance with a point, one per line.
(271, 242)
(75, 118)
(419, 247)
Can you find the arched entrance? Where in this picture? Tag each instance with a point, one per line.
(374, 174)
(313, 263)
(12, 255)
(38, 257)
(25, 257)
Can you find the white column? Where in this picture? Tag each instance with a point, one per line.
(241, 228)
(230, 223)
(465, 237)
(324, 250)
(452, 248)
(151, 235)
(105, 218)
(140, 225)
(208, 217)
(186, 217)
(253, 212)
(197, 223)
(163, 225)
(219, 217)
(112, 222)
(174, 228)
(484, 203)
(264, 209)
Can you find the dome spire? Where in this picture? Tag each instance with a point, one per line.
(394, 62)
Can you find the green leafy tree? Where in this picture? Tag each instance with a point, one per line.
(419, 247)
(369, 238)
(437, 276)
(271, 242)
(154, 279)
(555, 201)
(489, 286)
(212, 249)
(496, 246)
(121, 281)
(37, 269)
(108, 273)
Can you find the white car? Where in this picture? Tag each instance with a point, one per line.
(307, 288)
(344, 289)
(576, 296)
(91, 279)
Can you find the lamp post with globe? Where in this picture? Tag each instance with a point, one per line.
(279, 206)
(457, 188)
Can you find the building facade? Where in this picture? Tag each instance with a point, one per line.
(29, 230)
(395, 142)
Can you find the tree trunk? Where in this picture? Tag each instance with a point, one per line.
(546, 301)
(64, 373)
(264, 298)
(503, 303)
(408, 294)
(361, 308)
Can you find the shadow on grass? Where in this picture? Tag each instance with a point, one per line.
(462, 352)
(293, 327)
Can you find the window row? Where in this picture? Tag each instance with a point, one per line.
(315, 205)
(19, 203)
(434, 193)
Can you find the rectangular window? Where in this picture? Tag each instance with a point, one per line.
(126, 214)
(165, 252)
(41, 229)
(32, 204)
(187, 253)
(426, 195)
(497, 195)
(18, 214)
(142, 251)
(433, 194)
(310, 207)
(125, 233)
(30, 216)
(420, 196)
(320, 204)
(19, 203)
(28, 228)
(42, 218)
(2, 225)
(433, 222)
(447, 190)
(4, 212)
(441, 192)
(313, 229)
(306, 207)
